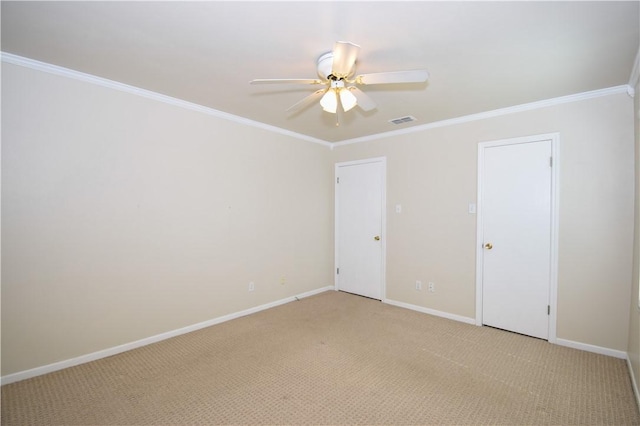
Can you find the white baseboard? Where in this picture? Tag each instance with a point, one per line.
(562, 342)
(38, 371)
(592, 348)
(424, 310)
(634, 383)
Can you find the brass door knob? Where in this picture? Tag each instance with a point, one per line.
(488, 246)
(377, 238)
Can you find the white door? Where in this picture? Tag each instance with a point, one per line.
(359, 227)
(516, 210)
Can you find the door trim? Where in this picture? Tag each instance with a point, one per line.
(383, 218)
(555, 175)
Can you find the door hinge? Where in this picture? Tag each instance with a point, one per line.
(337, 180)
(548, 309)
(338, 271)
(550, 161)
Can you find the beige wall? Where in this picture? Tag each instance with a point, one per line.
(124, 218)
(432, 174)
(634, 318)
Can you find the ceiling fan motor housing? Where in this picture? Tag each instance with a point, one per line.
(325, 68)
(324, 65)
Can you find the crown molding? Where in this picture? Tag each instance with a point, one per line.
(88, 78)
(495, 113)
(99, 81)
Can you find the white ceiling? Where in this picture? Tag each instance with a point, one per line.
(481, 56)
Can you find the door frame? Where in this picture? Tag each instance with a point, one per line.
(555, 185)
(383, 218)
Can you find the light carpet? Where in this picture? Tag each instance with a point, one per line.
(334, 358)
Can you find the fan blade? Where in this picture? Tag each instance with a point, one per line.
(286, 81)
(344, 58)
(417, 76)
(364, 101)
(308, 100)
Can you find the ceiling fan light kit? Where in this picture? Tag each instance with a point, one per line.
(329, 102)
(338, 93)
(347, 99)
(336, 70)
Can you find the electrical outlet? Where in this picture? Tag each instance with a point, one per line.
(432, 287)
(419, 285)
(252, 286)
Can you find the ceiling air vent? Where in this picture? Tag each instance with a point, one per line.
(402, 120)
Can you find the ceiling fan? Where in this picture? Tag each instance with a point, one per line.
(336, 70)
